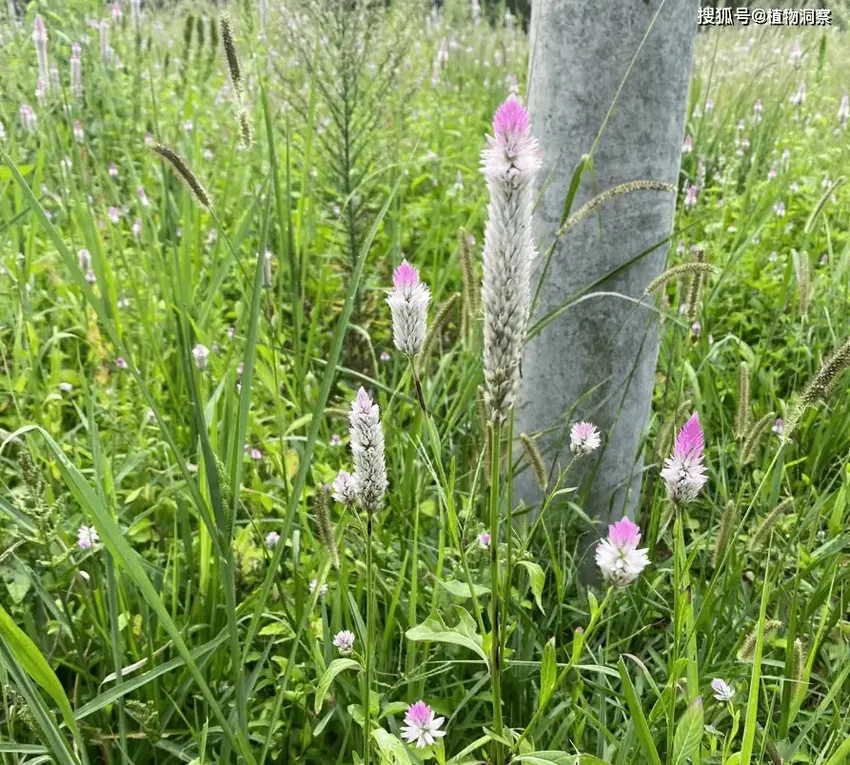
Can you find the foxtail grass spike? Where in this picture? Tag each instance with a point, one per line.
(728, 522)
(615, 191)
(819, 387)
(325, 525)
(804, 281)
(180, 167)
(230, 54)
(695, 288)
(437, 325)
(754, 437)
(742, 414)
(747, 650)
(684, 269)
(471, 298)
(771, 519)
(535, 459)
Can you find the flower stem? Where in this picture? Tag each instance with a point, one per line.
(495, 641)
(370, 639)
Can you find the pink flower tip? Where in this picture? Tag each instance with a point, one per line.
(690, 441)
(624, 533)
(405, 276)
(419, 713)
(363, 400)
(511, 119)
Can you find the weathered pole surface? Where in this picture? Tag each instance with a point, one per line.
(597, 360)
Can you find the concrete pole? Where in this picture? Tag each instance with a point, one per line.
(580, 52)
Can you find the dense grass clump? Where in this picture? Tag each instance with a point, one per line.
(238, 524)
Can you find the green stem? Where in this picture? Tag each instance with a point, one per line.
(580, 639)
(495, 642)
(370, 640)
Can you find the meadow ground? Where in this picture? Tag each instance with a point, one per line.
(178, 367)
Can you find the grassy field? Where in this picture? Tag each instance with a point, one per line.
(178, 366)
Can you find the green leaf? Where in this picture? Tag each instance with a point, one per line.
(461, 589)
(32, 661)
(548, 672)
(435, 631)
(688, 733)
(334, 668)
(393, 751)
(537, 579)
(637, 716)
(17, 583)
(549, 758)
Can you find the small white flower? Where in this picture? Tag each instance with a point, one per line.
(201, 354)
(87, 537)
(344, 641)
(722, 690)
(584, 438)
(323, 590)
(272, 538)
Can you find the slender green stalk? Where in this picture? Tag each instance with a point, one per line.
(495, 636)
(370, 647)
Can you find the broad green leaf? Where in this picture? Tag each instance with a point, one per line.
(537, 579)
(548, 672)
(688, 733)
(461, 589)
(435, 631)
(334, 668)
(393, 751)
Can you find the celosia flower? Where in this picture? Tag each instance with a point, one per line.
(796, 54)
(709, 105)
(66, 387)
(29, 121)
(779, 209)
(778, 426)
(509, 163)
(757, 110)
(41, 92)
(618, 556)
(484, 540)
(799, 98)
(345, 489)
(421, 726)
(256, 455)
(722, 690)
(143, 196)
(344, 641)
(116, 12)
(691, 196)
(201, 355)
(84, 260)
(367, 448)
(688, 145)
(272, 538)
(385, 356)
(335, 440)
(105, 49)
(584, 438)
(86, 537)
(39, 38)
(684, 473)
(113, 170)
(408, 302)
(137, 228)
(121, 363)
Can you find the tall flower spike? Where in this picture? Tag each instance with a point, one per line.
(408, 301)
(618, 556)
(367, 448)
(509, 163)
(39, 38)
(684, 472)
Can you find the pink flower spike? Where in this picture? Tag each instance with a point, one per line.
(511, 120)
(405, 277)
(690, 441)
(624, 534)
